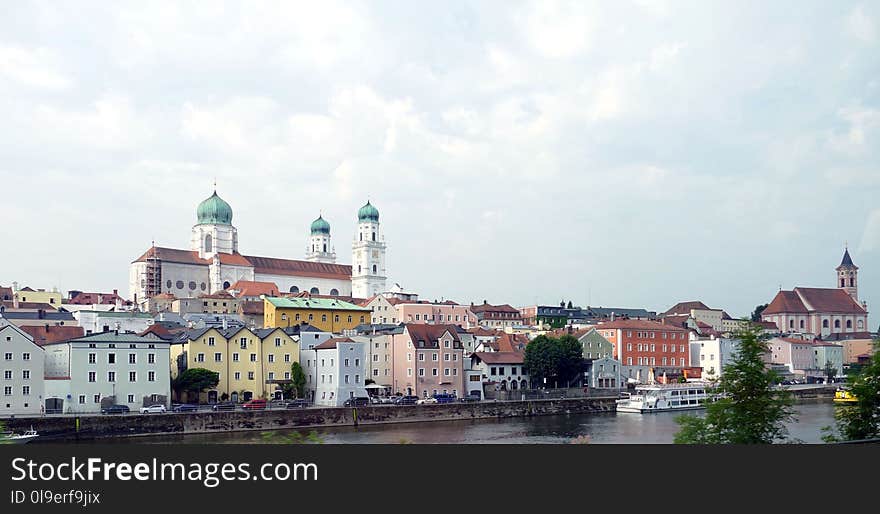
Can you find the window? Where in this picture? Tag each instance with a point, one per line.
(82, 399)
(271, 375)
(271, 357)
(25, 356)
(250, 375)
(346, 362)
(237, 375)
(151, 358)
(7, 375)
(111, 358)
(435, 357)
(234, 357)
(421, 357)
(421, 372)
(445, 344)
(151, 376)
(375, 357)
(132, 376)
(26, 374)
(7, 390)
(111, 376)
(277, 342)
(218, 357)
(243, 343)
(210, 341)
(96, 398)
(409, 372)
(346, 379)
(92, 358)
(446, 357)
(253, 357)
(200, 357)
(434, 372)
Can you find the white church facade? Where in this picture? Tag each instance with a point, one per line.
(213, 261)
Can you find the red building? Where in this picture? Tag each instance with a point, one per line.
(647, 343)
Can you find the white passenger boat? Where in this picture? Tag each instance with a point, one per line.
(13, 438)
(665, 397)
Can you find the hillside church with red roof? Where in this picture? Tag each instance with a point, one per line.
(826, 313)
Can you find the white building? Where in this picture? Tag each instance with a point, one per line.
(107, 368)
(384, 312)
(23, 365)
(341, 371)
(213, 262)
(95, 322)
(309, 338)
(712, 354)
(380, 352)
(368, 255)
(503, 371)
(827, 355)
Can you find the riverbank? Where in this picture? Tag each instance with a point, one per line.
(112, 426)
(94, 427)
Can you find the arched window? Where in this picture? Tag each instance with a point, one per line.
(294, 289)
(849, 323)
(361, 236)
(209, 243)
(359, 268)
(824, 323)
(843, 282)
(226, 285)
(852, 282)
(374, 269)
(325, 247)
(837, 323)
(334, 292)
(324, 318)
(802, 323)
(314, 290)
(861, 324)
(791, 323)
(374, 236)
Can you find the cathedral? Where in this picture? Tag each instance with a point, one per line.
(213, 262)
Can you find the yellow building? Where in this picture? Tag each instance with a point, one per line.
(28, 295)
(326, 314)
(250, 364)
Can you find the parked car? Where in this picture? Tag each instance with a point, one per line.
(358, 401)
(153, 409)
(388, 399)
(407, 400)
(375, 400)
(185, 407)
(445, 398)
(427, 401)
(299, 403)
(469, 398)
(223, 406)
(116, 409)
(255, 404)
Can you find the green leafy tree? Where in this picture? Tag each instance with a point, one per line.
(756, 314)
(830, 371)
(298, 380)
(860, 420)
(749, 409)
(559, 360)
(195, 380)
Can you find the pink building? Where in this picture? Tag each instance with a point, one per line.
(447, 312)
(797, 354)
(427, 359)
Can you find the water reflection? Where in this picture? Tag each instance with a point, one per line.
(606, 428)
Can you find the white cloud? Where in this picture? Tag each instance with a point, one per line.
(862, 122)
(35, 68)
(110, 123)
(860, 25)
(664, 55)
(558, 29)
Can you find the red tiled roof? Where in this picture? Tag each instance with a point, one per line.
(219, 295)
(53, 333)
(306, 294)
(159, 331)
(638, 324)
(273, 266)
(494, 308)
(96, 299)
(173, 255)
(234, 259)
(804, 300)
(331, 343)
(785, 302)
(480, 331)
(685, 308)
(164, 296)
(848, 336)
(502, 357)
(430, 333)
(767, 325)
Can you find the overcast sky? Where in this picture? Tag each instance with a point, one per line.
(615, 154)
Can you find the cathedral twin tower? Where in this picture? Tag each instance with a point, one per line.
(367, 252)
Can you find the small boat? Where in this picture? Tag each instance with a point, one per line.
(665, 397)
(844, 396)
(13, 438)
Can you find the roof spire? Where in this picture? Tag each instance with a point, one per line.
(215, 185)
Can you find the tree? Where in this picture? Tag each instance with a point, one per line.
(756, 314)
(860, 420)
(298, 379)
(830, 371)
(195, 380)
(749, 408)
(559, 360)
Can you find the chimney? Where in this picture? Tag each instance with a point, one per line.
(116, 292)
(15, 287)
(225, 324)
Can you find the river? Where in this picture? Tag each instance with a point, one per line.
(605, 428)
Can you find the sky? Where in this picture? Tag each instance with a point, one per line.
(622, 154)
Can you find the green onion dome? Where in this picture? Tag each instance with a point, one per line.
(368, 213)
(320, 226)
(214, 210)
